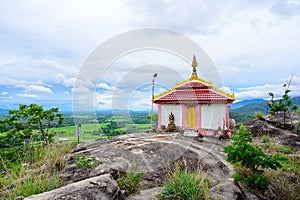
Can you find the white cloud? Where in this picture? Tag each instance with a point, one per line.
(66, 93)
(33, 96)
(105, 86)
(262, 91)
(253, 44)
(83, 90)
(225, 89)
(103, 100)
(69, 82)
(38, 88)
(4, 93)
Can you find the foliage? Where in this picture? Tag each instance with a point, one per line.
(259, 115)
(154, 117)
(252, 157)
(35, 167)
(185, 185)
(297, 126)
(112, 129)
(285, 181)
(86, 162)
(19, 125)
(265, 139)
(285, 104)
(130, 181)
(285, 149)
(238, 117)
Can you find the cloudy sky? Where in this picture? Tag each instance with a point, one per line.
(44, 45)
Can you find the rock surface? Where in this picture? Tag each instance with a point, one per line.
(260, 127)
(153, 154)
(98, 188)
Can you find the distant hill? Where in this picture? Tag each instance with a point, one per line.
(296, 101)
(245, 102)
(251, 108)
(262, 106)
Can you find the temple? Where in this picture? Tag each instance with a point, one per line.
(195, 103)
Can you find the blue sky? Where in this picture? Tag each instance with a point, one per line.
(254, 45)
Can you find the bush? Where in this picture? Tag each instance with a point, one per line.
(286, 149)
(265, 139)
(259, 115)
(252, 157)
(86, 162)
(130, 182)
(185, 185)
(31, 169)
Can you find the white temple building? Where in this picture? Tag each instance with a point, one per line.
(195, 103)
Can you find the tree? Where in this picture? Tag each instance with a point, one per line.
(19, 124)
(112, 129)
(154, 117)
(285, 104)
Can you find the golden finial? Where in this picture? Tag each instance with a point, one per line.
(194, 65)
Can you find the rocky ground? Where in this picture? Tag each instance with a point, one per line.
(155, 155)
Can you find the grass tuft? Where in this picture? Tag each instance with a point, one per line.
(185, 185)
(31, 169)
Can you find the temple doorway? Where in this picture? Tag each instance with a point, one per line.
(191, 117)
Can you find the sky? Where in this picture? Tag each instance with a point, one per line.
(47, 46)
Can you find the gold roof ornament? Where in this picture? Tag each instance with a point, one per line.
(194, 65)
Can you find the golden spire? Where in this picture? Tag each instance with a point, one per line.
(194, 65)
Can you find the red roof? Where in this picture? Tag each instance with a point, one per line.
(193, 92)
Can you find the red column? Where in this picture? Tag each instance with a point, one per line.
(198, 114)
(159, 117)
(184, 115)
(227, 116)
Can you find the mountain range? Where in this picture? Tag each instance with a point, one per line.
(249, 107)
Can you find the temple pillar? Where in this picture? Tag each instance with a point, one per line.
(159, 117)
(227, 116)
(184, 115)
(198, 114)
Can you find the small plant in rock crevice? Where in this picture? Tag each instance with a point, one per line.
(185, 185)
(259, 115)
(86, 162)
(129, 181)
(265, 139)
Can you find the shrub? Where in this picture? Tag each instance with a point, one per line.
(265, 139)
(129, 182)
(86, 162)
(31, 169)
(185, 185)
(252, 157)
(259, 115)
(286, 149)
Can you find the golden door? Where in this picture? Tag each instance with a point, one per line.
(191, 117)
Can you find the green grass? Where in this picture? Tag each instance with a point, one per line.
(85, 132)
(285, 149)
(265, 139)
(185, 185)
(130, 182)
(32, 169)
(284, 180)
(70, 130)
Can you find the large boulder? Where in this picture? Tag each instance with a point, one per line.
(156, 155)
(262, 127)
(98, 188)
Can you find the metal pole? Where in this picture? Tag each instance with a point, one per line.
(151, 115)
